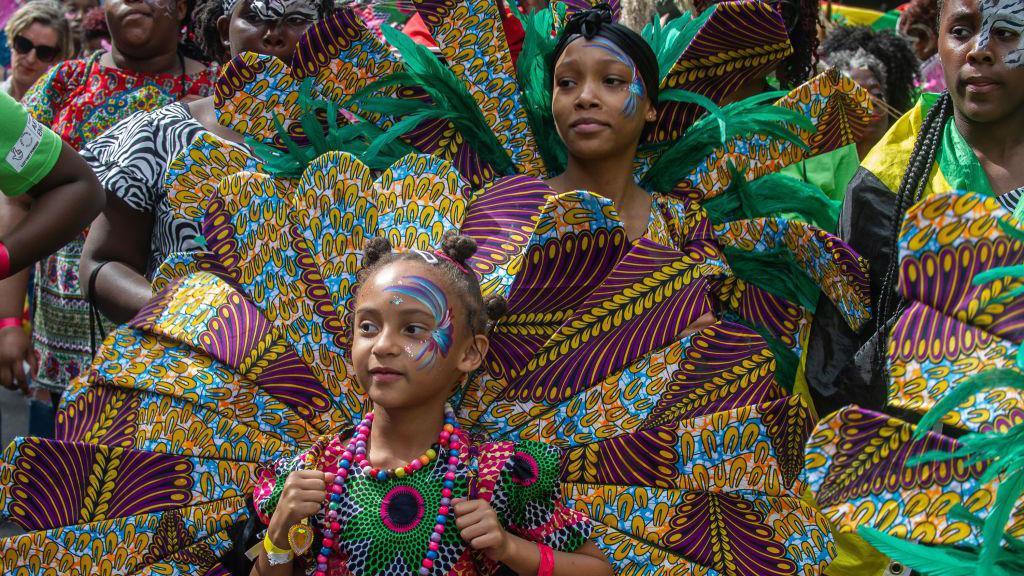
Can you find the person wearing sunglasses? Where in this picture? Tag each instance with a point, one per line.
(39, 37)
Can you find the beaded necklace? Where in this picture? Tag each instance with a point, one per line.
(355, 454)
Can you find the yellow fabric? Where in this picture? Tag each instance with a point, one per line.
(854, 556)
(855, 16)
(889, 158)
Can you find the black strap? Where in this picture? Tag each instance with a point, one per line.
(95, 318)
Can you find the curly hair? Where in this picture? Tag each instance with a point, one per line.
(920, 12)
(450, 261)
(901, 65)
(204, 21)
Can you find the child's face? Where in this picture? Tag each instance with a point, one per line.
(411, 344)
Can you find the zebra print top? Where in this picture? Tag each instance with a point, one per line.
(131, 159)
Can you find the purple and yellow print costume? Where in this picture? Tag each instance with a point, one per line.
(676, 439)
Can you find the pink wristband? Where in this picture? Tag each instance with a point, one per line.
(547, 560)
(8, 322)
(5, 261)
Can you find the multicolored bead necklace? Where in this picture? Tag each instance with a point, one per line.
(355, 452)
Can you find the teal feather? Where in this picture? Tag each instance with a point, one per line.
(671, 40)
(929, 560)
(535, 82)
(449, 99)
(746, 118)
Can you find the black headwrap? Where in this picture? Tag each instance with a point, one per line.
(597, 22)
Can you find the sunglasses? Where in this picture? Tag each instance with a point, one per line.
(23, 46)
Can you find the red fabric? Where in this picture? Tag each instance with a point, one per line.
(416, 29)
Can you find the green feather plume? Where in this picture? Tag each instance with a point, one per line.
(324, 133)
(776, 272)
(772, 195)
(671, 40)
(746, 118)
(449, 100)
(534, 75)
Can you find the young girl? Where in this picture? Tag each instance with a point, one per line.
(407, 491)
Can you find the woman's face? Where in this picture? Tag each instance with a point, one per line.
(27, 68)
(982, 56)
(879, 119)
(598, 102)
(252, 28)
(75, 11)
(143, 28)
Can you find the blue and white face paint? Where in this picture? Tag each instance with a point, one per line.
(276, 10)
(636, 83)
(1003, 17)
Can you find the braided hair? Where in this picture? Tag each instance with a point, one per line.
(207, 36)
(922, 159)
(803, 36)
(456, 250)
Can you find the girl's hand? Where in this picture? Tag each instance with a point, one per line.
(303, 495)
(479, 526)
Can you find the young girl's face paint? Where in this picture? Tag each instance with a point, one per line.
(431, 296)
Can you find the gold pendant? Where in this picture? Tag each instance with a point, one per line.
(300, 538)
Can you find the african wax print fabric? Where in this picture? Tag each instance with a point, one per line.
(839, 364)
(386, 525)
(678, 441)
(870, 469)
(79, 100)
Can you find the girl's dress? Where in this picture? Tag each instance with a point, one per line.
(386, 525)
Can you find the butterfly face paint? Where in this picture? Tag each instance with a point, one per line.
(432, 297)
(999, 18)
(636, 83)
(275, 10)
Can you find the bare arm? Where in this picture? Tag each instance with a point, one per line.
(63, 203)
(479, 526)
(15, 346)
(121, 237)
(302, 496)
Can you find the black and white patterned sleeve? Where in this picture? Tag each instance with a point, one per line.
(130, 159)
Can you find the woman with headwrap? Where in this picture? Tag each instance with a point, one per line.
(605, 86)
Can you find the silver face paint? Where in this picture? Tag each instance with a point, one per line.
(273, 10)
(1002, 17)
(167, 6)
